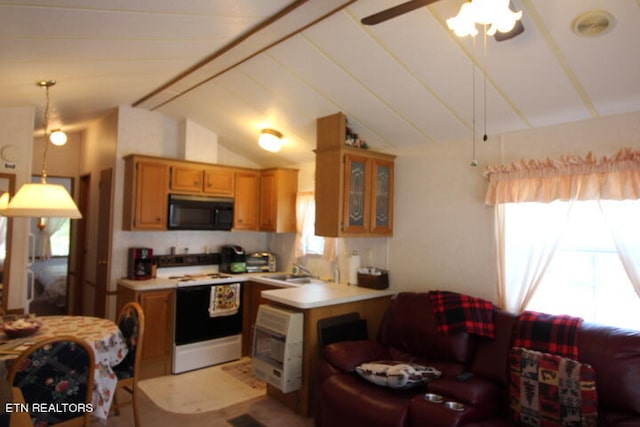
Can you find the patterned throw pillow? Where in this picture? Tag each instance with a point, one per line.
(550, 390)
(397, 375)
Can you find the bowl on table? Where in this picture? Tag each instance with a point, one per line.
(20, 327)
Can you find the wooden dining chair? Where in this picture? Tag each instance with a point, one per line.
(19, 418)
(131, 324)
(56, 373)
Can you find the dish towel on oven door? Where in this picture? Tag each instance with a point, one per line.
(224, 300)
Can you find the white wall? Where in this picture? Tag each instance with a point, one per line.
(443, 232)
(16, 129)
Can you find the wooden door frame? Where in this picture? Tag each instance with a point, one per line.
(80, 244)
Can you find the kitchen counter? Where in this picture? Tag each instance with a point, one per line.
(321, 295)
(164, 283)
(291, 294)
(147, 285)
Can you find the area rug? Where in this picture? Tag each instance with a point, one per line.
(245, 420)
(242, 371)
(198, 391)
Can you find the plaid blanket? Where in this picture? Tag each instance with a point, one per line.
(555, 334)
(462, 313)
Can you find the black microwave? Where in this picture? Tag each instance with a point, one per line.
(199, 213)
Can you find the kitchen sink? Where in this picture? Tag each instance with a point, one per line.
(290, 278)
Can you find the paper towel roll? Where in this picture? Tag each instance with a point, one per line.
(354, 265)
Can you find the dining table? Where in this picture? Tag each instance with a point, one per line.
(104, 337)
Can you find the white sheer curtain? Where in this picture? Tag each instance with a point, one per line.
(622, 218)
(544, 181)
(51, 227)
(529, 232)
(306, 241)
(305, 217)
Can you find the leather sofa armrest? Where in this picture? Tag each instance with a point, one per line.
(346, 355)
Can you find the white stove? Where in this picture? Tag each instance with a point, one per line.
(196, 275)
(201, 340)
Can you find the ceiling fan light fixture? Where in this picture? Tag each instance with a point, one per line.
(270, 140)
(494, 13)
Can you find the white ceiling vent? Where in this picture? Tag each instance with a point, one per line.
(593, 23)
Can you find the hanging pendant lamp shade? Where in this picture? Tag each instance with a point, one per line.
(42, 200)
(39, 200)
(4, 201)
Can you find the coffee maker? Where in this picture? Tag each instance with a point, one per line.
(140, 263)
(233, 260)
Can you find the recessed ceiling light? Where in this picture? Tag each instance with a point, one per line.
(593, 23)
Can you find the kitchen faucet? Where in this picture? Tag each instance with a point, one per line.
(297, 268)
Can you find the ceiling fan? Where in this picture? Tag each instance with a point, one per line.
(410, 5)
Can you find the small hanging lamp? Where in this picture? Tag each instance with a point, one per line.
(39, 200)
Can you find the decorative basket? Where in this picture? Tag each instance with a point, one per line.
(374, 281)
(20, 327)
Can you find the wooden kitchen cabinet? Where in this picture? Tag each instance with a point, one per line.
(354, 187)
(157, 347)
(264, 200)
(145, 195)
(278, 188)
(247, 199)
(219, 181)
(186, 178)
(199, 179)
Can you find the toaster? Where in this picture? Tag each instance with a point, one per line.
(261, 262)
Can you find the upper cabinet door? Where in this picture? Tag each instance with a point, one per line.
(278, 191)
(186, 178)
(356, 194)
(382, 196)
(219, 181)
(247, 199)
(145, 201)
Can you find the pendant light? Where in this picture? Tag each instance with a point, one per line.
(37, 200)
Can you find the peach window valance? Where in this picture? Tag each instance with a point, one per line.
(568, 178)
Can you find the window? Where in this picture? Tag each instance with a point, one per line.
(61, 238)
(572, 246)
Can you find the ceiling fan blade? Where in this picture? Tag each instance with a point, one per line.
(517, 29)
(392, 12)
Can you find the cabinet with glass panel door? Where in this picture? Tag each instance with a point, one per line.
(354, 187)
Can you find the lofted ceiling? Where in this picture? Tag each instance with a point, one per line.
(236, 66)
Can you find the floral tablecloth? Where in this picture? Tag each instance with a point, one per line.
(108, 344)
